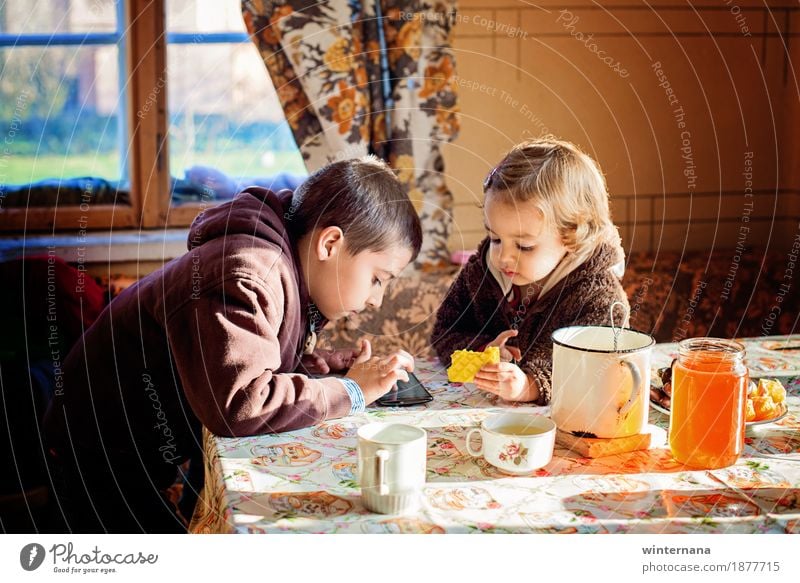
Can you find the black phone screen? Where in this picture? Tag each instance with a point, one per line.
(405, 394)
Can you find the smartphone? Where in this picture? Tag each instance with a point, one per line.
(405, 394)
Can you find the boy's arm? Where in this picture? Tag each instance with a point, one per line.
(225, 349)
(592, 310)
(456, 326)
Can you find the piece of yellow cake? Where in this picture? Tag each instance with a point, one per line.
(465, 363)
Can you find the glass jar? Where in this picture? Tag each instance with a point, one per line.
(709, 397)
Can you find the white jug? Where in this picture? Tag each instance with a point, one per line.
(599, 391)
(391, 466)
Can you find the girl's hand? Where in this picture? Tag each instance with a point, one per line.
(507, 353)
(507, 381)
(377, 376)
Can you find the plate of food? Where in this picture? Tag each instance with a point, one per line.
(661, 389)
(783, 411)
(766, 400)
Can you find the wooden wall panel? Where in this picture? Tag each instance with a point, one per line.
(523, 73)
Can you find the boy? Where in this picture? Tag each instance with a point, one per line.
(223, 336)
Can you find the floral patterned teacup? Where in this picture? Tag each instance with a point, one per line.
(516, 443)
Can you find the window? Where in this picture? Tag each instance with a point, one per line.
(226, 127)
(192, 119)
(63, 105)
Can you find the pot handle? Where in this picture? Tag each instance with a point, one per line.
(380, 457)
(637, 385)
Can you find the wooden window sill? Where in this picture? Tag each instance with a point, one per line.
(99, 246)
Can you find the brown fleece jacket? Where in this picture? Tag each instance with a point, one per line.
(213, 337)
(475, 311)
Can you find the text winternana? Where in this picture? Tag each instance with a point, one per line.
(654, 550)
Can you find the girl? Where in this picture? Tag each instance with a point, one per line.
(551, 258)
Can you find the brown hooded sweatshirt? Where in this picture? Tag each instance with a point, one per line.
(214, 337)
(475, 310)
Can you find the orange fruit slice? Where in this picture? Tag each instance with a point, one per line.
(764, 408)
(751, 412)
(773, 388)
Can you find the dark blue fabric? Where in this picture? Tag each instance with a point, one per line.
(201, 184)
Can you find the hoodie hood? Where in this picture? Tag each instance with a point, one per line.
(255, 211)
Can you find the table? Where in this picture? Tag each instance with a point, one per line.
(305, 481)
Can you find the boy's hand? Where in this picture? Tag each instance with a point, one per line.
(314, 363)
(507, 353)
(329, 361)
(507, 381)
(376, 376)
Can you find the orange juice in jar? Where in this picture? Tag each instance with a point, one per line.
(709, 395)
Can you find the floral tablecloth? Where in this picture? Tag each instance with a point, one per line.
(305, 481)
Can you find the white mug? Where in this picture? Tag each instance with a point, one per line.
(391, 466)
(516, 443)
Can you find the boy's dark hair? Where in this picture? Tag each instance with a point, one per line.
(362, 197)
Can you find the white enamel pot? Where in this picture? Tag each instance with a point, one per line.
(599, 391)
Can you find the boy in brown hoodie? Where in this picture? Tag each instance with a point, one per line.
(224, 337)
(551, 258)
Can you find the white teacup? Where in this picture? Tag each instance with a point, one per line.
(391, 466)
(516, 443)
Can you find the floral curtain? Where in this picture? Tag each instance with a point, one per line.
(368, 76)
